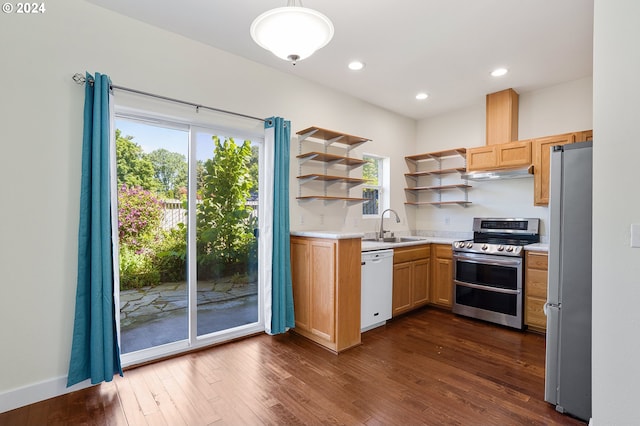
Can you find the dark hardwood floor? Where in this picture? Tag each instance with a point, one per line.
(429, 367)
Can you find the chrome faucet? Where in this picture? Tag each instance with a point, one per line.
(381, 234)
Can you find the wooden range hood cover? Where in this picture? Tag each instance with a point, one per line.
(502, 117)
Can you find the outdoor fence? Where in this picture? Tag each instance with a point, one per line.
(173, 212)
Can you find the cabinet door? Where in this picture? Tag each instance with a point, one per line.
(301, 282)
(541, 160)
(402, 281)
(481, 158)
(442, 285)
(322, 305)
(585, 135)
(421, 278)
(535, 282)
(534, 316)
(514, 154)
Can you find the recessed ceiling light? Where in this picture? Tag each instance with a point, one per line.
(356, 65)
(422, 96)
(499, 72)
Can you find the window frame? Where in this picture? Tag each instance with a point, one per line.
(384, 180)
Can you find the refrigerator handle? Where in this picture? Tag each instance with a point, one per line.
(547, 305)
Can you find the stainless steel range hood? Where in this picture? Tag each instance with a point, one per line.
(523, 172)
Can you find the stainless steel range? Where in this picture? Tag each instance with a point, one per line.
(488, 272)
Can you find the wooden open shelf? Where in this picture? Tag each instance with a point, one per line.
(438, 203)
(331, 136)
(326, 198)
(414, 163)
(462, 152)
(436, 172)
(438, 188)
(344, 163)
(330, 158)
(331, 178)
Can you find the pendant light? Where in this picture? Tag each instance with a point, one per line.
(292, 33)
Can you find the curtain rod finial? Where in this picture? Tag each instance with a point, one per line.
(79, 78)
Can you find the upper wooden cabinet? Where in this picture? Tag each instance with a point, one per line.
(541, 161)
(502, 117)
(503, 156)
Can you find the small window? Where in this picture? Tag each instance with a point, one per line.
(375, 189)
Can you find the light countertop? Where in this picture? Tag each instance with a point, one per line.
(375, 245)
(328, 234)
(543, 247)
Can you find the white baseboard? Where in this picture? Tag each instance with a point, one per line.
(16, 398)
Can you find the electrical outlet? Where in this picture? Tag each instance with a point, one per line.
(322, 219)
(447, 220)
(301, 219)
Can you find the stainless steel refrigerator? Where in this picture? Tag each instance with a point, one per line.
(568, 307)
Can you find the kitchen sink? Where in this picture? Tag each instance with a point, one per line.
(394, 239)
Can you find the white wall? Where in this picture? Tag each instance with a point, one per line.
(41, 112)
(559, 109)
(616, 205)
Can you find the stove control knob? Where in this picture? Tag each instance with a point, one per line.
(500, 247)
(469, 244)
(509, 249)
(485, 247)
(459, 244)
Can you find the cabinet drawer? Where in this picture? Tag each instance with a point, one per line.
(537, 260)
(535, 316)
(536, 283)
(443, 251)
(407, 254)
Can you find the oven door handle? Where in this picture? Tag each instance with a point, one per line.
(489, 261)
(488, 288)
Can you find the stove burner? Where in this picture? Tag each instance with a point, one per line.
(504, 237)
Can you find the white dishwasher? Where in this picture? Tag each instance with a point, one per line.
(376, 288)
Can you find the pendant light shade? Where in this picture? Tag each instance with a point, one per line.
(292, 33)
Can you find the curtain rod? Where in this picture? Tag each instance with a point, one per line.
(80, 79)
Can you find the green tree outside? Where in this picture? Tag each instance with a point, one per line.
(171, 171)
(224, 224)
(133, 167)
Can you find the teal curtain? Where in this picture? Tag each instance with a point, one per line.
(282, 294)
(94, 352)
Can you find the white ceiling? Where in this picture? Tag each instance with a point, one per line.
(446, 48)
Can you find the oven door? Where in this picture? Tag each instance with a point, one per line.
(488, 287)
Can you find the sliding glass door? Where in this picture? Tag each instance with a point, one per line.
(188, 209)
(226, 229)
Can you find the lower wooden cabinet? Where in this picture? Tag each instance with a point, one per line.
(442, 282)
(422, 275)
(326, 278)
(535, 284)
(411, 273)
